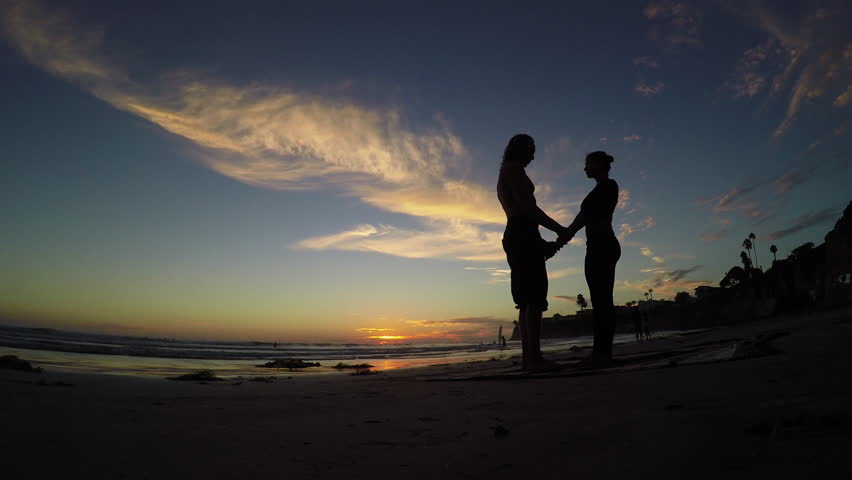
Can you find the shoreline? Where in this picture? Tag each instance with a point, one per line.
(772, 404)
(159, 366)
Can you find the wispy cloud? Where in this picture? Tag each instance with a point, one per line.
(676, 24)
(456, 329)
(625, 229)
(455, 321)
(812, 57)
(664, 282)
(645, 62)
(793, 178)
(743, 199)
(735, 199)
(740, 200)
(648, 90)
(51, 41)
(802, 222)
(447, 240)
(816, 77)
(623, 199)
(750, 77)
(267, 136)
(567, 298)
(278, 138)
(632, 138)
(495, 274)
(713, 237)
(676, 275)
(650, 254)
(843, 99)
(564, 272)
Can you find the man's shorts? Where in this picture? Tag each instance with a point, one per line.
(524, 249)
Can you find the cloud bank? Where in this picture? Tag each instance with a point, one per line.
(278, 138)
(802, 222)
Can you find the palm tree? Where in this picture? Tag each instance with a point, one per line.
(753, 239)
(774, 250)
(581, 301)
(747, 246)
(746, 261)
(651, 292)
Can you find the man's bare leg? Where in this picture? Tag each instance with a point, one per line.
(525, 338)
(534, 329)
(536, 359)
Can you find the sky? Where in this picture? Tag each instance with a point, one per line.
(325, 171)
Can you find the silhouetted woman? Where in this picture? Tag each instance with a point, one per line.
(525, 250)
(602, 251)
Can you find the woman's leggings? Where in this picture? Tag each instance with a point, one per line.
(601, 257)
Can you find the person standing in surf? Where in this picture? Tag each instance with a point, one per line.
(602, 252)
(525, 250)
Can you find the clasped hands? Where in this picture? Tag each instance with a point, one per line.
(550, 248)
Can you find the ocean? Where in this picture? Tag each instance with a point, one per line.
(60, 350)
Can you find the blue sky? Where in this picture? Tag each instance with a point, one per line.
(326, 171)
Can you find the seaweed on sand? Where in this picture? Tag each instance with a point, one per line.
(12, 362)
(357, 366)
(199, 376)
(289, 363)
(364, 371)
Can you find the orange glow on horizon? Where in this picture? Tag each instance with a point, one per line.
(385, 335)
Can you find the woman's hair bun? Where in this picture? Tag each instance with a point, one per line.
(600, 156)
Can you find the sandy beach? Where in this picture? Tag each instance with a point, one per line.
(768, 399)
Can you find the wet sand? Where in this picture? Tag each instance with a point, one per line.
(769, 399)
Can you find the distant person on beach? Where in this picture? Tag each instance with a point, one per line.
(637, 323)
(602, 252)
(525, 250)
(646, 326)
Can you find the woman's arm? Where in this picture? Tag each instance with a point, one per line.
(568, 233)
(596, 212)
(578, 223)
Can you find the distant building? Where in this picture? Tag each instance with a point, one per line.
(706, 291)
(837, 279)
